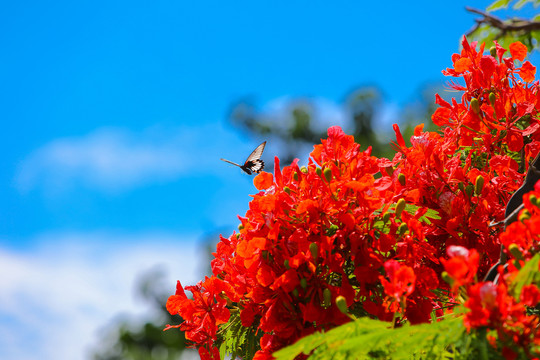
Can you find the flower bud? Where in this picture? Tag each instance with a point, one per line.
(475, 105)
(478, 184)
(328, 174)
(469, 189)
(386, 217)
(303, 283)
(304, 169)
(402, 229)
(295, 176)
(287, 189)
(461, 187)
(341, 304)
(229, 301)
(240, 226)
(493, 51)
(332, 230)
(401, 179)
(514, 250)
(399, 207)
(524, 215)
(327, 297)
(446, 277)
(286, 264)
(318, 171)
(534, 200)
(314, 250)
(492, 98)
(295, 292)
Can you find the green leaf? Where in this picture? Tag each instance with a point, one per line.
(237, 340)
(536, 34)
(367, 338)
(499, 4)
(430, 213)
(520, 4)
(527, 275)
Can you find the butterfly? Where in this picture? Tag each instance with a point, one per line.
(253, 163)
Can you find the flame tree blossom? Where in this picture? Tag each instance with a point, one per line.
(351, 235)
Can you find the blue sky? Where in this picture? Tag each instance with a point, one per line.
(115, 117)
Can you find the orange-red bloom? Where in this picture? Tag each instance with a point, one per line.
(377, 234)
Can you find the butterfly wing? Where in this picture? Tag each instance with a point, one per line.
(253, 163)
(253, 166)
(257, 153)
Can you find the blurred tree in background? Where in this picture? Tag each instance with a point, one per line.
(128, 340)
(301, 122)
(295, 128)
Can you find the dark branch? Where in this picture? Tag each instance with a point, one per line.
(512, 25)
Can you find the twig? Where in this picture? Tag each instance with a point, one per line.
(512, 25)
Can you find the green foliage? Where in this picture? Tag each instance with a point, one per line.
(528, 274)
(236, 340)
(430, 213)
(503, 4)
(499, 4)
(373, 339)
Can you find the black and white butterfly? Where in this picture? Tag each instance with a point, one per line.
(253, 163)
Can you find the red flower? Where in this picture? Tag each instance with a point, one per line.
(462, 265)
(482, 303)
(530, 295)
(336, 227)
(401, 282)
(203, 314)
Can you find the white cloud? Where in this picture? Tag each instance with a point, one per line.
(106, 158)
(54, 298)
(113, 159)
(117, 159)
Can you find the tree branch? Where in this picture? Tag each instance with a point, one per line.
(512, 25)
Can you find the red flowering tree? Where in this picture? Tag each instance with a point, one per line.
(405, 241)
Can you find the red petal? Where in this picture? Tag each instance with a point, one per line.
(518, 50)
(527, 72)
(263, 181)
(462, 65)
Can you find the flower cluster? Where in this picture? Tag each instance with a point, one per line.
(498, 119)
(508, 308)
(352, 235)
